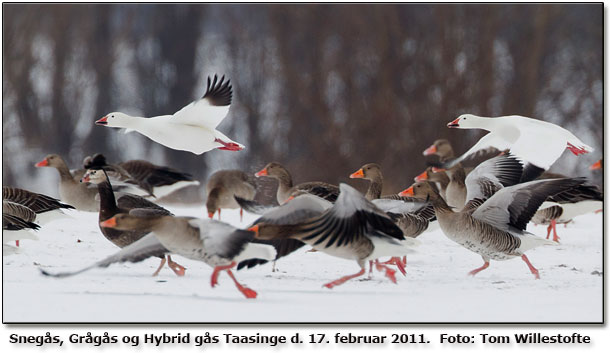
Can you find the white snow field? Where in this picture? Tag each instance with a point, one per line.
(435, 289)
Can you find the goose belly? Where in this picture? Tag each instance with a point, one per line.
(189, 138)
(500, 246)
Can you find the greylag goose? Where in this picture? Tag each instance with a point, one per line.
(215, 243)
(156, 180)
(353, 228)
(17, 221)
(438, 177)
(109, 206)
(45, 207)
(538, 143)
(192, 128)
(71, 190)
(495, 228)
(455, 192)
(285, 188)
(372, 173)
(563, 207)
(223, 186)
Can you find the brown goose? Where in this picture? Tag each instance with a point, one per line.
(215, 243)
(45, 207)
(436, 176)
(156, 180)
(286, 189)
(371, 172)
(455, 192)
(495, 228)
(223, 186)
(353, 228)
(71, 190)
(17, 221)
(109, 206)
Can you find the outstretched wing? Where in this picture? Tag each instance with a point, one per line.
(211, 109)
(492, 175)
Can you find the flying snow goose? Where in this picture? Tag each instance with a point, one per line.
(217, 244)
(286, 189)
(156, 180)
(563, 207)
(46, 207)
(353, 228)
(71, 191)
(223, 186)
(17, 222)
(192, 128)
(538, 143)
(495, 228)
(109, 206)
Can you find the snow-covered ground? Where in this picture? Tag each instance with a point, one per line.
(435, 289)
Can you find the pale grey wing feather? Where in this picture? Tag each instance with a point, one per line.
(492, 175)
(140, 250)
(220, 238)
(398, 206)
(300, 208)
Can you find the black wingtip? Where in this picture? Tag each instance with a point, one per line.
(219, 93)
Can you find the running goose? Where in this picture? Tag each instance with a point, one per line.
(17, 221)
(538, 143)
(192, 128)
(215, 243)
(353, 228)
(156, 180)
(495, 228)
(285, 188)
(71, 190)
(223, 186)
(45, 207)
(109, 206)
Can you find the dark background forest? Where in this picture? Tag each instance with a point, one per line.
(320, 88)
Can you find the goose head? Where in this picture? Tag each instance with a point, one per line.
(422, 190)
(116, 119)
(124, 221)
(212, 201)
(370, 171)
(441, 148)
(51, 160)
(467, 121)
(273, 170)
(94, 176)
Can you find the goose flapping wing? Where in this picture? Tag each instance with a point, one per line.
(211, 109)
(491, 140)
(492, 175)
(220, 238)
(514, 206)
(140, 250)
(297, 210)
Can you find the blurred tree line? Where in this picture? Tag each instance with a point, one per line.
(322, 89)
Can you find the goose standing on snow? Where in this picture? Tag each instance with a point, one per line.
(109, 206)
(286, 190)
(495, 228)
(192, 128)
(538, 143)
(47, 208)
(215, 243)
(71, 190)
(17, 222)
(353, 228)
(223, 186)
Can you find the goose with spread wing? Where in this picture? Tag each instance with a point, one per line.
(536, 142)
(45, 207)
(192, 128)
(353, 228)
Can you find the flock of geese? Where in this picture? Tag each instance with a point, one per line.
(485, 209)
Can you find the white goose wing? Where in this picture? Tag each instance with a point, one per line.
(211, 109)
(539, 143)
(138, 251)
(514, 206)
(492, 175)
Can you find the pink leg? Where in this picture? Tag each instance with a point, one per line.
(554, 226)
(219, 214)
(404, 260)
(344, 279)
(178, 269)
(477, 270)
(532, 268)
(370, 268)
(241, 214)
(389, 273)
(160, 267)
(228, 146)
(398, 262)
(249, 293)
(575, 150)
(217, 269)
(17, 243)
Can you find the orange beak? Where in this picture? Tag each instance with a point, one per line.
(422, 176)
(262, 172)
(254, 229)
(43, 163)
(211, 214)
(85, 179)
(109, 223)
(102, 121)
(357, 174)
(597, 165)
(407, 192)
(454, 123)
(430, 150)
